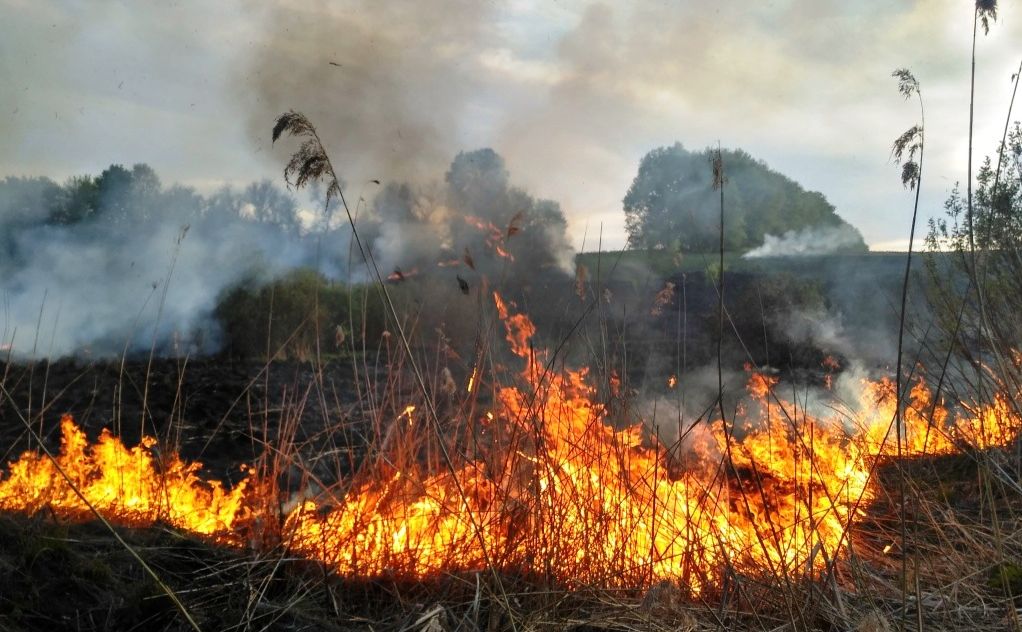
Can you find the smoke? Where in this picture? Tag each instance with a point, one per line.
(116, 263)
(145, 269)
(386, 83)
(474, 223)
(817, 328)
(395, 91)
(810, 241)
(682, 418)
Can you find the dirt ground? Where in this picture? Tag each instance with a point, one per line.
(215, 410)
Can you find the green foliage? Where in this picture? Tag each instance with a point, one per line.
(117, 195)
(297, 316)
(267, 203)
(79, 202)
(671, 204)
(1006, 578)
(981, 322)
(25, 199)
(997, 206)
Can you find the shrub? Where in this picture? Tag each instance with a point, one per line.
(298, 316)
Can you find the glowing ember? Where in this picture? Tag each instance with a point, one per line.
(563, 494)
(399, 275)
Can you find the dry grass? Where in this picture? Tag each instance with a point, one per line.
(940, 548)
(964, 542)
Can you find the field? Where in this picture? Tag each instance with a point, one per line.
(803, 513)
(388, 394)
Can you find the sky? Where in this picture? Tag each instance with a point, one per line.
(571, 93)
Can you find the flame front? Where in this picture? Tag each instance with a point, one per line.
(558, 493)
(125, 485)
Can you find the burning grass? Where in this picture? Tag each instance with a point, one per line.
(758, 512)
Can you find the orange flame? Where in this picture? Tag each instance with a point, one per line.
(564, 494)
(127, 484)
(495, 238)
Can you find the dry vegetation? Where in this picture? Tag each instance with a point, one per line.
(326, 533)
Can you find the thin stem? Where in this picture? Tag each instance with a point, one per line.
(901, 338)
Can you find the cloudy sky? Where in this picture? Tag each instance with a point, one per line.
(571, 93)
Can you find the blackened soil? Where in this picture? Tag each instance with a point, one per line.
(220, 411)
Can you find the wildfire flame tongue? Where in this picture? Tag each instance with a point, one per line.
(123, 484)
(561, 492)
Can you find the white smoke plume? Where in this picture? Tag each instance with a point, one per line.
(136, 266)
(816, 240)
(146, 271)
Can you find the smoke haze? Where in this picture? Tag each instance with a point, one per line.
(125, 282)
(386, 83)
(118, 263)
(814, 240)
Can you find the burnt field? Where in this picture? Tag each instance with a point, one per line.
(217, 410)
(354, 492)
(229, 412)
(785, 315)
(510, 317)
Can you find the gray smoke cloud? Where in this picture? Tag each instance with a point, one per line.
(575, 90)
(386, 83)
(475, 222)
(394, 91)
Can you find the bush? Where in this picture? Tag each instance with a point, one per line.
(298, 316)
(977, 290)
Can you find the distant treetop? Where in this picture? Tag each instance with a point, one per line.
(672, 205)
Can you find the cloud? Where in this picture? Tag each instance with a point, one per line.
(571, 93)
(92, 84)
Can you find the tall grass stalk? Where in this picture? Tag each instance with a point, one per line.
(99, 516)
(908, 150)
(312, 163)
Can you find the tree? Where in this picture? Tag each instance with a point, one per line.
(24, 202)
(506, 232)
(268, 203)
(296, 316)
(478, 185)
(984, 335)
(79, 200)
(125, 195)
(671, 204)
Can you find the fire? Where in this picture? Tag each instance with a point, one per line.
(398, 275)
(407, 413)
(563, 493)
(133, 486)
(495, 237)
